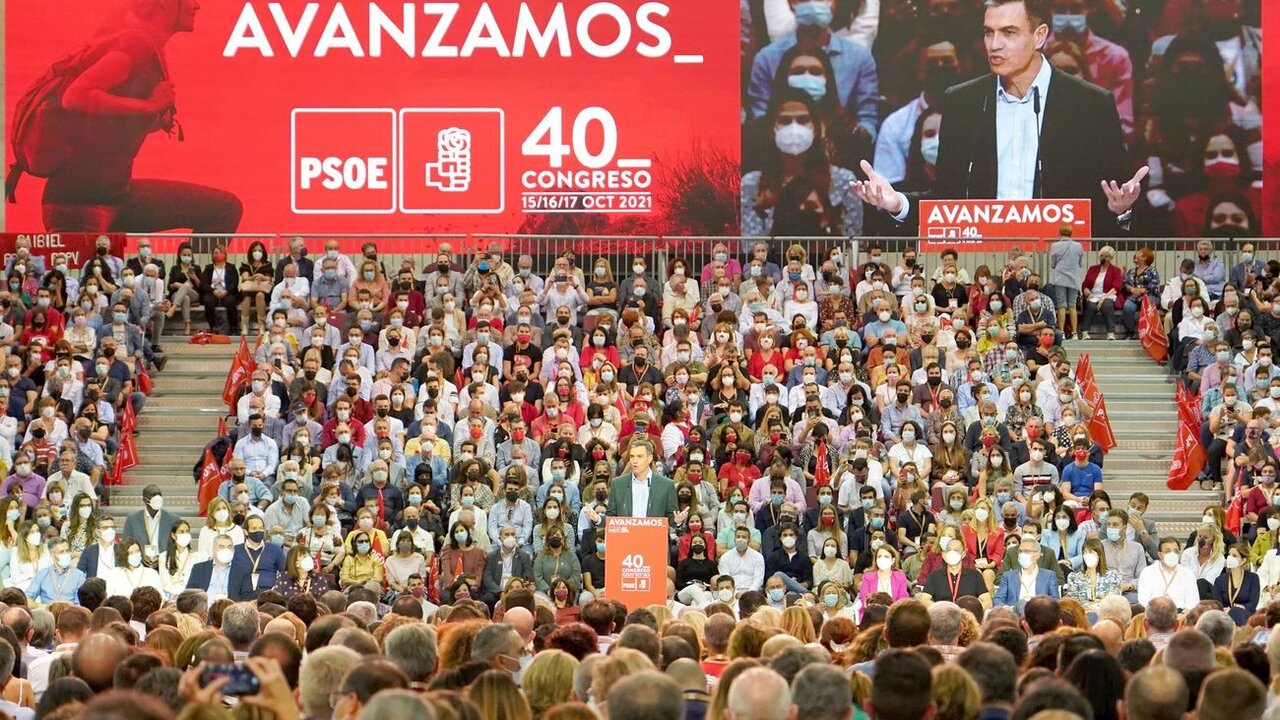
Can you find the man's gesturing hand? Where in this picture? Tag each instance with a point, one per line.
(877, 191)
(1120, 198)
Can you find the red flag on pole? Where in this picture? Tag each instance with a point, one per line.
(128, 420)
(1189, 455)
(1100, 423)
(222, 426)
(1151, 331)
(210, 479)
(127, 454)
(238, 375)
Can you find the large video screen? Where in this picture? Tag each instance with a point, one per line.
(590, 118)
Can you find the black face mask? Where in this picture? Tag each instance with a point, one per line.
(602, 496)
(512, 495)
(963, 343)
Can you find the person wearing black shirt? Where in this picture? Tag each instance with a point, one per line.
(915, 522)
(954, 580)
(639, 371)
(860, 539)
(696, 567)
(593, 567)
(790, 561)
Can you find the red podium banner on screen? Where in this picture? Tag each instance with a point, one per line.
(969, 225)
(635, 560)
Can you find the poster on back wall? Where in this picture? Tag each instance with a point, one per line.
(576, 116)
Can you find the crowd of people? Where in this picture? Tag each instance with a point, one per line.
(831, 83)
(860, 463)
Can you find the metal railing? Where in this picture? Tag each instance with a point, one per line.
(697, 252)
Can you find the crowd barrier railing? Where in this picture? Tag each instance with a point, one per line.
(394, 249)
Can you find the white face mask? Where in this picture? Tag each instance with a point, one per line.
(306, 564)
(981, 515)
(1170, 559)
(182, 539)
(1091, 560)
(884, 562)
(1233, 562)
(220, 515)
(953, 557)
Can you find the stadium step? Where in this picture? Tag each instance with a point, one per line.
(179, 419)
(1140, 403)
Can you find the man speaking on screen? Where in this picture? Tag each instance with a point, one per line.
(1024, 131)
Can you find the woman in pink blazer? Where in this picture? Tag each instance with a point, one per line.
(1102, 292)
(884, 576)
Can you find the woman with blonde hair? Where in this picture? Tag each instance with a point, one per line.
(218, 523)
(1206, 557)
(984, 539)
(620, 663)
(767, 617)
(797, 623)
(955, 694)
(548, 679)
(496, 696)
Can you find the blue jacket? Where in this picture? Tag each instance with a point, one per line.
(238, 585)
(1011, 587)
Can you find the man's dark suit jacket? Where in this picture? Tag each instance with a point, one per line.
(239, 584)
(1081, 144)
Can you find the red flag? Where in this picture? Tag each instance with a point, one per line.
(210, 479)
(222, 426)
(127, 454)
(238, 375)
(128, 420)
(144, 380)
(1151, 331)
(1189, 455)
(1100, 426)
(1100, 423)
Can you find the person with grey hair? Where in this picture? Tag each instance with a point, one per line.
(43, 626)
(945, 619)
(1117, 608)
(994, 671)
(397, 705)
(791, 661)
(365, 610)
(321, 674)
(822, 692)
(757, 694)
(499, 646)
(240, 625)
(646, 695)
(362, 641)
(413, 648)
(1218, 626)
(1161, 621)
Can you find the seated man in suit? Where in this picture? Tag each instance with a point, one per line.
(643, 492)
(151, 524)
(99, 557)
(218, 577)
(1016, 588)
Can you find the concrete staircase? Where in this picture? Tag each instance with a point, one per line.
(1144, 416)
(179, 419)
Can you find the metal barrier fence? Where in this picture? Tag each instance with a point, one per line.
(419, 250)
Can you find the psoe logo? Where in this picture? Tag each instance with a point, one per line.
(451, 160)
(452, 170)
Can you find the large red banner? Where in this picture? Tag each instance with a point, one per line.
(335, 116)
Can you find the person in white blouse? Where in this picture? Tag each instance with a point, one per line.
(1206, 558)
(29, 557)
(218, 523)
(176, 563)
(1168, 578)
(129, 574)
